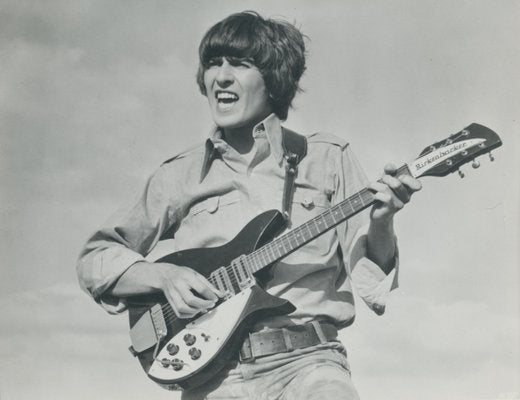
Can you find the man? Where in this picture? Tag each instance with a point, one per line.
(249, 70)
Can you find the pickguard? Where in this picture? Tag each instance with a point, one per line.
(210, 333)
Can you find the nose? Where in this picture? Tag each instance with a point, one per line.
(224, 75)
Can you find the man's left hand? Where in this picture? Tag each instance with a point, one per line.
(391, 193)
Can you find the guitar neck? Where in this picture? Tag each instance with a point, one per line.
(303, 234)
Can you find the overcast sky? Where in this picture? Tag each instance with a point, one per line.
(94, 95)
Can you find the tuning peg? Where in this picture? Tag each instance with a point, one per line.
(461, 174)
(475, 164)
(491, 158)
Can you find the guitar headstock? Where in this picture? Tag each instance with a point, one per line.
(446, 156)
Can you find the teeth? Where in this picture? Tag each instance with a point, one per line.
(226, 96)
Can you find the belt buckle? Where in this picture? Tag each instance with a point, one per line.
(246, 358)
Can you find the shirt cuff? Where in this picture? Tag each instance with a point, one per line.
(107, 268)
(372, 284)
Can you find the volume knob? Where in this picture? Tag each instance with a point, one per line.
(189, 339)
(165, 362)
(177, 364)
(172, 349)
(194, 353)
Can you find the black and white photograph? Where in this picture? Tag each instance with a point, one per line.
(265, 200)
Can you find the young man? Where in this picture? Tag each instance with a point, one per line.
(249, 71)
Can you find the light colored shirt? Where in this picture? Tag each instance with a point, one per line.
(203, 204)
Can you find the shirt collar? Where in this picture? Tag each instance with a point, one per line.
(270, 127)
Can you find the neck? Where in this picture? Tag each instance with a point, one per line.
(241, 139)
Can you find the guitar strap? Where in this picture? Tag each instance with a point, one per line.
(294, 148)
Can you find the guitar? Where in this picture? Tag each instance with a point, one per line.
(184, 353)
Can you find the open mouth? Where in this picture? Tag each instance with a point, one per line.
(225, 99)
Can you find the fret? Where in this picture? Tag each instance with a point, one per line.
(334, 214)
(306, 232)
(265, 256)
(256, 264)
(293, 240)
(297, 234)
(315, 225)
(276, 247)
(268, 247)
(282, 245)
(321, 223)
(351, 205)
(329, 218)
(340, 208)
(258, 258)
(355, 202)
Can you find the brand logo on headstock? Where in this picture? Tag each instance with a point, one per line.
(430, 160)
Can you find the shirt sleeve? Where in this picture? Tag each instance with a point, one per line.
(371, 283)
(126, 238)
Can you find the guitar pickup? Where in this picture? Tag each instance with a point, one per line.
(148, 330)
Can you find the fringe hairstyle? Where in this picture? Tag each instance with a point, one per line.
(275, 47)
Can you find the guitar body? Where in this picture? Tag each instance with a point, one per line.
(218, 334)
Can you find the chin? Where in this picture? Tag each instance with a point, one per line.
(229, 122)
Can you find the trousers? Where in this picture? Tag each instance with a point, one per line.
(313, 373)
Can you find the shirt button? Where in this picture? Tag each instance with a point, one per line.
(308, 202)
(213, 207)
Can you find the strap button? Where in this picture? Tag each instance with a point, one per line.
(308, 202)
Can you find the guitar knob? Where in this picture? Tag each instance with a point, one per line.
(177, 364)
(165, 362)
(475, 164)
(189, 339)
(194, 353)
(172, 349)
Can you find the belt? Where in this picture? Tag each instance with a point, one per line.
(283, 340)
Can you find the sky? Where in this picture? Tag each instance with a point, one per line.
(94, 95)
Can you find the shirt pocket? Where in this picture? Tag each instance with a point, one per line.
(212, 205)
(210, 222)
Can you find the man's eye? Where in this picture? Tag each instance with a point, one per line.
(240, 62)
(215, 62)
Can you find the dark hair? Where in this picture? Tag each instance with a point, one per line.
(275, 47)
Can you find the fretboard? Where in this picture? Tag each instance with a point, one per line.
(310, 230)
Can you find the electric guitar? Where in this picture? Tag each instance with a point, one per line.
(184, 353)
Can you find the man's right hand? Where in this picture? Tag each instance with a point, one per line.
(187, 291)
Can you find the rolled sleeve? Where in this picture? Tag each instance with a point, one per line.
(126, 238)
(371, 283)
